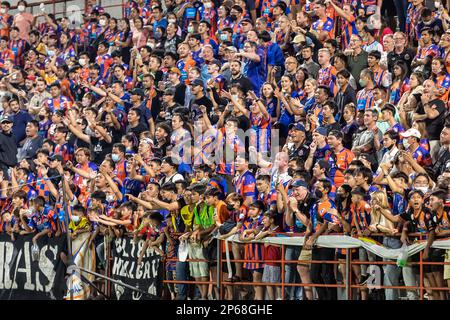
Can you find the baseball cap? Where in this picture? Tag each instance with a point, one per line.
(299, 38)
(231, 48)
(31, 77)
(197, 82)
(297, 126)
(6, 119)
(56, 157)
(175, 70)
(299, 183)
(411, 133)
(138, 92)
(246, 20)
(322, 131)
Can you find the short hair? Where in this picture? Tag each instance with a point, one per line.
(367, 73)
(326, 184)
(392, 134)
(121, 147)
(344, 73)
(213, 192)
(337, 134)
(375, 54)
(332, 105)
(169, 186)
(137, 111)
(20, 194)
(365, 172)
(326, 89)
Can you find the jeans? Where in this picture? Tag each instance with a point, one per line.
(291, 275)
(323, 273)
(410, 278)
(391, 271)
(401, 6)
(182, 275)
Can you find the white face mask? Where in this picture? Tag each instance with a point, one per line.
(82, 62)
(437, 4)
(190, 29)
(405, 144)
(3, 11)
(21, 8)
(207, 5)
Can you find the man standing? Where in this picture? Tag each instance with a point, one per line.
(33, 141)
(364, 98)
(238, 77)
(20, 119)
(8, 146)
(327, 72)
(339, 159)
(357, 60)
(401, 52)
(255, 66)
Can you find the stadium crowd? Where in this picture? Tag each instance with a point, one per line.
(187, 121)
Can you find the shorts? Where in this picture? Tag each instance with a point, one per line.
(271, 274)
(260, 270)
(305, 255)
(447, 267)
(197, 269)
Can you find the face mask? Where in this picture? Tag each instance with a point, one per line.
(50, 53)
(207, 5)
(110, 198)
(172, 21)
(230, 207)
(362, 83)
(75, 219)
(190, 29)
(41, 117)
(290, 172)
(3, 11)
(223, 37)
(82, 62)
(157, 35)
(423, 189)
(235, 96)
(102, 22)
(233, 17)
(21, 8)
(214, 119)
(406, 144)
(437, 4)
(115, 157)
(318, 194)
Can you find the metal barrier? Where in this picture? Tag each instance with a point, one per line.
(348, 284)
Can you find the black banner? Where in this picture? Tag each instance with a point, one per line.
(146, 277)
(21, 278)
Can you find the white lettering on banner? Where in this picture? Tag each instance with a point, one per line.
(9, 252)
(139, 272)
(2, 254)
(26, 270)
(46, 265)
(19, 261)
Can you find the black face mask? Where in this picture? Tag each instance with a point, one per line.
(230, 207)
(233, 17)
(318, 194)
(291, 172)
(41, 117)
(214, 119)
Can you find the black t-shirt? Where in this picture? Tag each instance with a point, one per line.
(244, 123)
(99, 149)
(407, 56)
(138, 129)
(180, 93)
(435, 126)
(203, 101)
(305, 208)
(116, 135)
(333, 126)
(244, 82)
